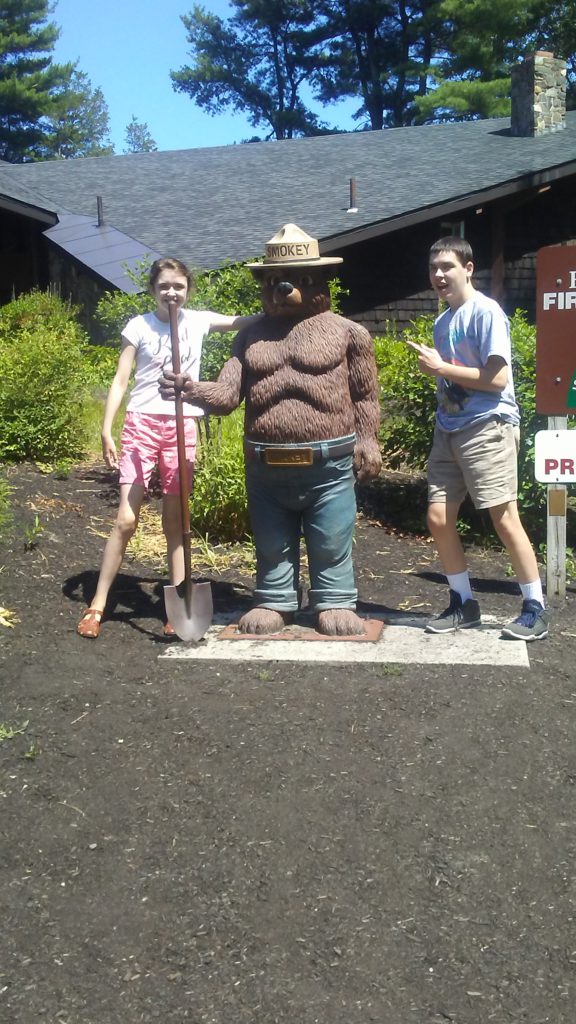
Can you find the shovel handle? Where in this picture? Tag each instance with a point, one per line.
(181, 442)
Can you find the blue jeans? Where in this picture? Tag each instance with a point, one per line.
(318, 501)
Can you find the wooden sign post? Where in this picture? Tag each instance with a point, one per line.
(556, 384)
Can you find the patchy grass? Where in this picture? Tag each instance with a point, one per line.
(148, 546)
(8, 618)
(5, 509)
(8, 732)
(392, 669)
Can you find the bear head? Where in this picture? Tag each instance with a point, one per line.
(295, 293)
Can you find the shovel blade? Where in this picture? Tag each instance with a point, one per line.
(190, 622)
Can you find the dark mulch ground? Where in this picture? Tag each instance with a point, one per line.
(278, 843)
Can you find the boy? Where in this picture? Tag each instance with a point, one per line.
(475, 440)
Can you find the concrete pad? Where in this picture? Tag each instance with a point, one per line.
(402, 640)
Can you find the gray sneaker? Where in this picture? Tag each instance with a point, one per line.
(456, 616)
(531, 624)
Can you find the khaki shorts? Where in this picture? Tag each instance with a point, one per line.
(480, 460)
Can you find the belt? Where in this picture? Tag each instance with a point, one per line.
(299, 455)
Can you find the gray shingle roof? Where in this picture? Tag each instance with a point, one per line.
(16, 195)
(108, 252)
(221, 204)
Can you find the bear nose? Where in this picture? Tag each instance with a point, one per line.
(284, 288)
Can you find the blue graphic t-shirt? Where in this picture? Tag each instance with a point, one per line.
(468, 336)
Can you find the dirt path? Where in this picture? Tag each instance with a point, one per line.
(306, 844)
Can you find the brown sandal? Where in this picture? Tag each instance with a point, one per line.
(169, 630)
(89, 625)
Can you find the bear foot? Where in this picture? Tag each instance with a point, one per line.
(263, 620)
(340, 622)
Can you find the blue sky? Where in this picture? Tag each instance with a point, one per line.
(128, 48)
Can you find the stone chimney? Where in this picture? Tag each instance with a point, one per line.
(538, 95)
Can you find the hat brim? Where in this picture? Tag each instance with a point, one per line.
(324, 261)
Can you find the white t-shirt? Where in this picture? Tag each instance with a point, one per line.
(151, 339)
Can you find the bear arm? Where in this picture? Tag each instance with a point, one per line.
(363, 382)
(221, 396)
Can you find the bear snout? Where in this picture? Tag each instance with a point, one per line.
(284, 288)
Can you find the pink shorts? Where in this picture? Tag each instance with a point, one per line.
(150, 440)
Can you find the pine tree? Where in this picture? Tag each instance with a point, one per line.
(28, 78)
(138, 138)
(78, 124)
(258, 62)
(483, 39)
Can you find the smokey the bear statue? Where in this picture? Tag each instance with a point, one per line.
(308, 378)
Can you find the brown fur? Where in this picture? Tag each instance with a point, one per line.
(305, 374)
(340, 622)
(263, 620)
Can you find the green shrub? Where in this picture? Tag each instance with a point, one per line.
(531, 494)
(232, 289)
(101, 365)
(43, 379)
(408, 397)
(38, 309)
(218, 505)
(115, 309)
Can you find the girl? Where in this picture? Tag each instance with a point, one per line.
(149, 432)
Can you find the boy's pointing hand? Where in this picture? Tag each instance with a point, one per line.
(429, 360)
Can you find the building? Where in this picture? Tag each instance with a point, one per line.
(376, 198)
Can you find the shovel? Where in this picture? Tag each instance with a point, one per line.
(188, 605)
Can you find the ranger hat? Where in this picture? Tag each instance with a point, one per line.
(292, 247)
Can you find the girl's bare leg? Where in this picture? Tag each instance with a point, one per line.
(172, 526)
(131, 496)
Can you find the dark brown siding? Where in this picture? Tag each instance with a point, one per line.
(387, 278)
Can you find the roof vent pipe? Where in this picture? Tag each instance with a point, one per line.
(100, 209)
(352, 208)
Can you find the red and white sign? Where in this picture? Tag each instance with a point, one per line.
(555, 456)
(556, 330)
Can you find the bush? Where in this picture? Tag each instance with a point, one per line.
(101, 365)
(531, 494)
(115, 309)
(43, 379)
(218, 505)
(232, 289)
(37, 309)
(408, 398)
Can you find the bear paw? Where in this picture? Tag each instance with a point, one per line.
(340, 622)
(262, 620)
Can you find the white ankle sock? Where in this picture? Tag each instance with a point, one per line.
(532, 591)
(460, 582)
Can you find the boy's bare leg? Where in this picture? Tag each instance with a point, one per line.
(442, 519)
(509, 528)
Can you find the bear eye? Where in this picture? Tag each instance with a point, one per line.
(273, 280)
(306, 280)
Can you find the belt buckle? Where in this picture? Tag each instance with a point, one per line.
(288, 456)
